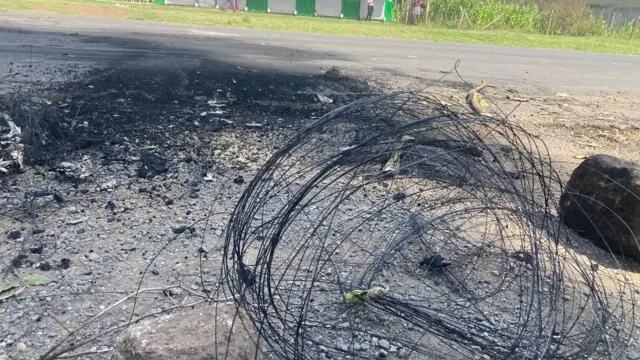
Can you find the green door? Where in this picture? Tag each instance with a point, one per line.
(306, 7)
(257, 5)
(351, 9)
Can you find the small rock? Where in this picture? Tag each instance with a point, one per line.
(152, 165)
(364, 346)
(381, 354)
(77, 221)
(633, 355)
(393, 349)
(341, 345)
(14, 235)
(182, 229)
(562, 95)
(333, 73)
(21, 346)
(253, 125)
(218, 232)
(169, 202)
(238, 179)
(191, 335)
(94, 257)
(111, 205)
(384, 344)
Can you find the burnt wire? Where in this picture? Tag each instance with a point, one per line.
(452, 214)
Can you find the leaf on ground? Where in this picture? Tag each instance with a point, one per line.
(577, 134)
(10, 289)
(36, 279)
(580, 156)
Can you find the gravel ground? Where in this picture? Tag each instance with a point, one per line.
(202, 130)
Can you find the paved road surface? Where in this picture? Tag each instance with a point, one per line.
(46, 38)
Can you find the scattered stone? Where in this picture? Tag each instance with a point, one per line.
(108, 185)
(333, 73)
(169, 202)
(393, 349)
(77, 221)
(198, 334)
(384, 344)
(21, 346)
(111, 205)
(381, 354)
(238, 179)
(182, 229)
(14, 235)
(152, 165)
(341, 345)
(64, 264)
(633, 355)
(253, 125)
(605, 204)
(59, 197)
(44, 266)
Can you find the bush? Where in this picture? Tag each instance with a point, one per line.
(558, 17)
(570, 17)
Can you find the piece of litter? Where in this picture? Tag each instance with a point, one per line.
(324, 99)
(253, 125)
(580, 157)
(515, 98)
(562, 95)
(108, 185)
(209, 177)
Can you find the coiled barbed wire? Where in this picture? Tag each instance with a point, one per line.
(401, 227)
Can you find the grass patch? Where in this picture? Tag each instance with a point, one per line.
(330, 26)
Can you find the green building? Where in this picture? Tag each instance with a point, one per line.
(347, 9)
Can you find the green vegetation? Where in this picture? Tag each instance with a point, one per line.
(556, 17)
(435, 31)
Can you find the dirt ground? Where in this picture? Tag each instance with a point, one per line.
(89, 130)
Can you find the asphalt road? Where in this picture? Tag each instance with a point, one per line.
(56, 38)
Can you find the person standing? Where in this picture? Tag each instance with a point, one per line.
(370, 6)
(417, 8)
(234, 5)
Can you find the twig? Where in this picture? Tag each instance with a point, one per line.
(94, 318)
(494, 20)
(57, 355)
(52, 354)
(468, 19)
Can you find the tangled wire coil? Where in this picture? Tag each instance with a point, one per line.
(399, 227)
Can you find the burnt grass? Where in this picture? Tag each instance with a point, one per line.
(115, 110)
